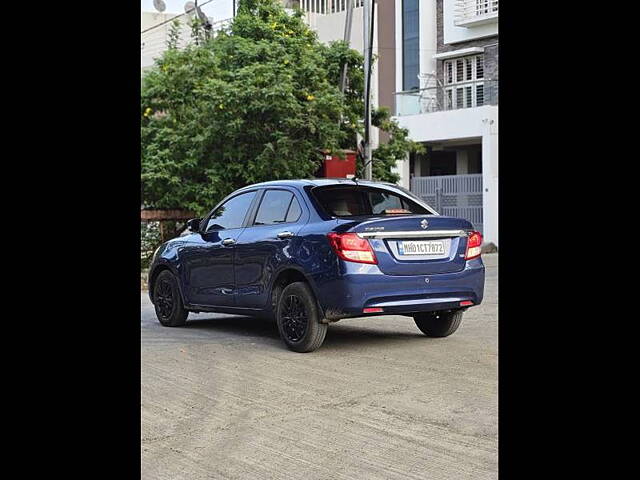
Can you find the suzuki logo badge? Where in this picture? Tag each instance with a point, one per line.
(424, 223)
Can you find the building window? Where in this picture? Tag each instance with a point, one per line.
(480, 66)
(482, 7)
(448, 67)
(466, 86)
(479, 94)
(410, 45)
(486, 6)
(459, 71)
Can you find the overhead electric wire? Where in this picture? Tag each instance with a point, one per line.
(173, 18)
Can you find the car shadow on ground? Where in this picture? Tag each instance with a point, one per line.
(343, 334)
(338, 335)
(236, 324)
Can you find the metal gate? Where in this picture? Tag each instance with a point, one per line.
(452, 195)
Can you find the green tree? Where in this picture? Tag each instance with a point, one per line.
(174, 35)
(257, 102)
(397, 148)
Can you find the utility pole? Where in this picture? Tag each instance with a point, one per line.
(347, 38)
(367, 24)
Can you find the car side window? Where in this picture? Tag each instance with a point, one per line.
(294, 211)
(231, 213)
(274, 207)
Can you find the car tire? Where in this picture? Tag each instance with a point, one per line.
(272, 314)
(168, 301)
(438, 324)
(298, 318)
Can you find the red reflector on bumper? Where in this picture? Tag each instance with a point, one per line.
(466, 303)
(372, 310)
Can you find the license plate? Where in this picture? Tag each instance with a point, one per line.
(421, 247)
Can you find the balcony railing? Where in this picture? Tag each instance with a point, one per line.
(469, 13)
(448, 97)
(325, 7)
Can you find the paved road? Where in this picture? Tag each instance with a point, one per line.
(222, 398)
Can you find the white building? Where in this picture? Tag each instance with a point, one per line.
(446, 96)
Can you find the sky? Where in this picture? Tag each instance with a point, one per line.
(218, 9)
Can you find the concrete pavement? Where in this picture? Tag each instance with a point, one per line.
(222, 398)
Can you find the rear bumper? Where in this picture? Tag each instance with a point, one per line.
(363, 286)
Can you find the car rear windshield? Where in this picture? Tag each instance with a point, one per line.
(365, 201)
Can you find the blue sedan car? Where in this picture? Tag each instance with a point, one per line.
(312, 252)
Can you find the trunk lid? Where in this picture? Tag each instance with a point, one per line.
(414, 244)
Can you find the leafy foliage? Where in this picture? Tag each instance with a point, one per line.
(149, 241)
(397, 148)
(255, 103)
(174, 35)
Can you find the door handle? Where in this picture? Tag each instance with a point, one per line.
(286, 235)
(228, 241)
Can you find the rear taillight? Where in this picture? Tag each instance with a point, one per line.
(350, 247)
(474, 244)
(372, 310)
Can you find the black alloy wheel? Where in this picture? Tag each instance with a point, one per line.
(167, 301)
(299, 318)
(294, 318)
(164, 299)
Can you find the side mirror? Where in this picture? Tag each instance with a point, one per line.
(194, 225)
